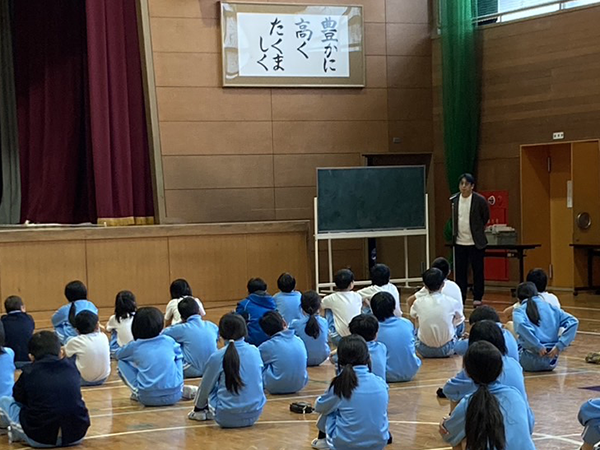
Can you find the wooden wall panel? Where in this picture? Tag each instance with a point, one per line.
(138, 265)
(39, 271)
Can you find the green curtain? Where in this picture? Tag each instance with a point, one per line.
(10, 203)
(460, 87)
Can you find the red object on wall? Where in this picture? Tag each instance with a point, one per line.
(496, 269)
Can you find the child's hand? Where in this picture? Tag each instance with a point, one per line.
(543, 351)
(553, 353)
(442, 429)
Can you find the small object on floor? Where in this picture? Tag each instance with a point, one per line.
(189, 392)
(593, 358)
(440, 393)
(319, 443)
(301, 407)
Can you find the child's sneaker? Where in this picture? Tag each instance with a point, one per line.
(189, 392)
(201, 415)
(320, 443)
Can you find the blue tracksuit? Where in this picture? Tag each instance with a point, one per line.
(318, 349)
(60, 319)
(233, 410)
(252, 308)
(398, 335)
(152, 369)
(284, 358)
(512, 349)
(288, 305)
(532, 338)
(360, 422)
(378, 352)
(7, 372)
(198, 339)
(518, 419)
(589, 417)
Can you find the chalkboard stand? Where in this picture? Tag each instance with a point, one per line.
(330, 236)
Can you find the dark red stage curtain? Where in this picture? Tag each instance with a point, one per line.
(121, 160)
(49, 52)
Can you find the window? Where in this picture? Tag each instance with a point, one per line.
(492, 11)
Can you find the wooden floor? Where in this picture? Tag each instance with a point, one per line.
(414, 410)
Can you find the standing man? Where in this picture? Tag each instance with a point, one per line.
(471, 214)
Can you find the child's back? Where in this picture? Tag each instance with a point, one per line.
(317, 348)
(367, 327)
(119, 324)
(92, 353)
(288, 299)
(253, 307)
(438, 316)
(198, 339)
(344, 306)
(285, 359)
(7, 371)
(60, 320)
(18, 329)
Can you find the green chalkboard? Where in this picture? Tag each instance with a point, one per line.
(370, 198)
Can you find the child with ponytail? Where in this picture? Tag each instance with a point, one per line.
(354, 408)
(495, 417)
(231, 391)
(312, 329)
(63, 320)
(537, 325)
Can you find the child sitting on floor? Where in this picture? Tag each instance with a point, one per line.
(367, 327)
(380, 277)
(198, 338)
(284, 356)
(312, 329)
(341, 306)
(7, 367)
(253, 307)
(91, 350)
(18, 329)
(46, 409)
(119, 324)
(179, 288)
(438, 317)
(288, 298)
(63, 320)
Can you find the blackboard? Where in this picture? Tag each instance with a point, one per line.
(371, 198)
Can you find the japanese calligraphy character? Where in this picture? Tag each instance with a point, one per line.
(300, 49)
(276, 44)
(261, 60)
(303, 32)
(278, 60)
(277, 27)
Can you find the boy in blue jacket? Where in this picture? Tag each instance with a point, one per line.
(398, 335)
(198, 338)
(253, 307)
(46, 409)
(284, 356)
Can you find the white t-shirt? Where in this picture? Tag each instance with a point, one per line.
(449, 289)
(464, 236)
(92, 355)
(123, 329)
(345, 306)
(438, 317)
(172, 313)
(368, 293)
(547, 297)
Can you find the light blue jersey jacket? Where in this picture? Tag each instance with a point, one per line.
(398, 335)
(360, 422)
(288, 305)
(60, 320)
(157, 363)
(532, 338)
(284, 358)
(318, 349)
(198, 339)
(250, 399)
(378, 352)
(512, 349)
(7, 372)
(518, 419)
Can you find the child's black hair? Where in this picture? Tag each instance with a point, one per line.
(13, 303)
(383, 305)
(286, 282)
(352, 351)
(311, 304)
(44, 343)
(539, 278)
(484, 423)
(489, 331)
(343, 279)
(365, 325)
(256, 285)
(187, 307)
(125, 305)
(232, 327)
(271, 323)
(442, 264)
(180, 288)
(380, 274)
(525, 292)
(147, 323)
(433, 279)
(483, 312)
(86, 322)
(74, 290)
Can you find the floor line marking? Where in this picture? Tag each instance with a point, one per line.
(558, 438)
